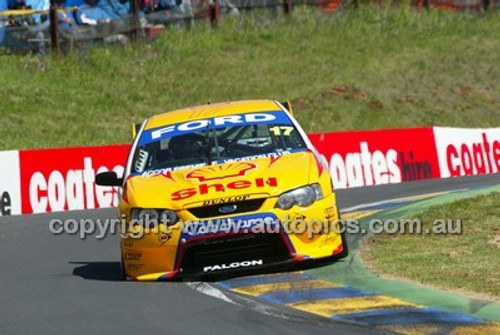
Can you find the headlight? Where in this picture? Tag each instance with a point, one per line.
(168, 217)
(154, 215)
(145, 214)
(304, 197)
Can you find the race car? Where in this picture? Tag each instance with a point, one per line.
(220, 188)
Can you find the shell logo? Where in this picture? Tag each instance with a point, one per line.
(208, 173)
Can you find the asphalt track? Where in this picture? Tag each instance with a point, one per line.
(64, 285)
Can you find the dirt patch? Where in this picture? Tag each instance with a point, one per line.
(495, 240)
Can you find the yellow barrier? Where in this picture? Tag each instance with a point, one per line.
(25, 12)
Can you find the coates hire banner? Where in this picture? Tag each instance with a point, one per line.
(467, 152)
(48, 180)
(375, 157)
(63, 179)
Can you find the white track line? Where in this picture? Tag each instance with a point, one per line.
(244, 302)
(371, 204)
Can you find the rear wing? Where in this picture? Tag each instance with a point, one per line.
(288, 106)
(135, 129)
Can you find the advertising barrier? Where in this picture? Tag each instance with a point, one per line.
(374, 157)
(49, 180)
(63, 179)
(10, 183)
(467, 152)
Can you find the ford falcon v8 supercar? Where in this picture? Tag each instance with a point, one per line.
(223, 188)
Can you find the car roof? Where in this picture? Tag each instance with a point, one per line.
(211, 110)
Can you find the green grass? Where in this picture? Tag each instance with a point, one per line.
(371, 68)
(467, 262)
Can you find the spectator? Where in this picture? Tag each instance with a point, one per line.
(14, 4)
(43, 5)
(66, 20)
(3, 7)
(69, 31)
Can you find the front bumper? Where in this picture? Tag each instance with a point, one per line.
(198, 252)
(297, 263)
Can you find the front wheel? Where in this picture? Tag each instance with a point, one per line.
(345, 251)
(123, 274)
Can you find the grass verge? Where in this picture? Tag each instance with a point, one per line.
(467, 262)
(370, 68)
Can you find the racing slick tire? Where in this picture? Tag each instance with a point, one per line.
(123, 274)
(345, 251)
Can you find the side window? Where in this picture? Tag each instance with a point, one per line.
(294, 140)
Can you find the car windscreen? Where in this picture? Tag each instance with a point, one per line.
(216, 140)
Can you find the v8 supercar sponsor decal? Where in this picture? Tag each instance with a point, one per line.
(153, 135)
(255, 223)
(164, 171)
(220, 187)
(272, 155)
(210, 173)
(226, 200)
(233, 265)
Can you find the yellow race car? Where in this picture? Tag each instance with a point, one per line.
(222, 188)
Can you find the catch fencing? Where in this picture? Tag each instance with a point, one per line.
(81, 23)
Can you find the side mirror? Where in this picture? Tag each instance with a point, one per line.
(109, 178)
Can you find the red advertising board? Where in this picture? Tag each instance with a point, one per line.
(63, 179)
(467, 152)
(373, 157)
